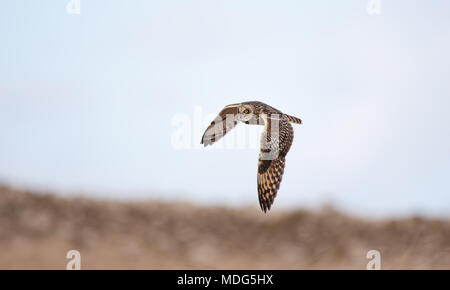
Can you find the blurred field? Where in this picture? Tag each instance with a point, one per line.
(37, 230)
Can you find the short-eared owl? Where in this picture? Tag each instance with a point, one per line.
(276, 141)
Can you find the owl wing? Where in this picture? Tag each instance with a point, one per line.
(222, 124)
(271, 161)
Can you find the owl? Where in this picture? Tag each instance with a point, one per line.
(276, 140)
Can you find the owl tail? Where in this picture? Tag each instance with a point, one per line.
(294, 119)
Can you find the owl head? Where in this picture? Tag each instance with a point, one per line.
(245, 112)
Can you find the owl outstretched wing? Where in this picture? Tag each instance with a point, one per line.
(276, 141)
(222, 124)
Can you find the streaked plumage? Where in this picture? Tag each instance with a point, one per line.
(276, 140)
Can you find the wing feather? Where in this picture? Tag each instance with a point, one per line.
(271, 162)
(222, 124)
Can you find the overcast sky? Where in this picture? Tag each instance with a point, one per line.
(87, 102)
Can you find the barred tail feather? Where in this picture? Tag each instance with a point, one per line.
(293, 119)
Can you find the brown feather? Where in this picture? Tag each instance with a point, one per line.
(222, 124)
(293, 119)
(270, 172)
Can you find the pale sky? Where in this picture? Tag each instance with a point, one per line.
(87, 101)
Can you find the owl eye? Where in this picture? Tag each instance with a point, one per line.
(246, 111)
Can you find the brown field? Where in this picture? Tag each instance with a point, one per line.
(37, 230)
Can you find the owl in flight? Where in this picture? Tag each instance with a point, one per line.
(276, 141)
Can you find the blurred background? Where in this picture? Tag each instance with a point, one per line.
(87, 109)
